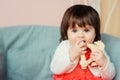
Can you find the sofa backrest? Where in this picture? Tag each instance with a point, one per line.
(28, 51)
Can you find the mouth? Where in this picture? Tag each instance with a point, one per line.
(84, 41)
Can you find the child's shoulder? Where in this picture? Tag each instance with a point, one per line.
(64, 43)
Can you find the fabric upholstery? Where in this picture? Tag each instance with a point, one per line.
(26, 51)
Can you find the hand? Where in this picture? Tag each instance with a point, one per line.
(77, 49)
(99, 57)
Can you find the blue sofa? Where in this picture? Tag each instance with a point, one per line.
(26, 52)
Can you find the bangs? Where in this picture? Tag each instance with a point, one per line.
(80, 21)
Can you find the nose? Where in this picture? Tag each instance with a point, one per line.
(80, 34)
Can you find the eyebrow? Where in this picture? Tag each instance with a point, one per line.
(89, 27)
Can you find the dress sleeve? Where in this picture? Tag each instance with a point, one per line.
(109, 72)
(61, 62)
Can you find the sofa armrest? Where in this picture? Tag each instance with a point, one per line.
(113, 50)
(2, 61)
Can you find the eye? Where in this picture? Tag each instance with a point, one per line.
(86, 30)
(74, 30)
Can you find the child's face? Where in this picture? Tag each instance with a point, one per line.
(76, 34)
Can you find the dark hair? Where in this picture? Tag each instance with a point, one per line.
(80, 15)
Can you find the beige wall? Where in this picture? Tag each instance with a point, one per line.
(110, 17)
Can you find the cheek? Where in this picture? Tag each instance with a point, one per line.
(91, 38)
(71, 38)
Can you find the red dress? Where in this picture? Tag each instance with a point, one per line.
(78, 73)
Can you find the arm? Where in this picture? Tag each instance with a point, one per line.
(105, 66)
(61, 61)
(108, 72)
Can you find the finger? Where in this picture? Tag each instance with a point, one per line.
(83, 50)
(82, 44)
(78, 42)
(93, 55)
